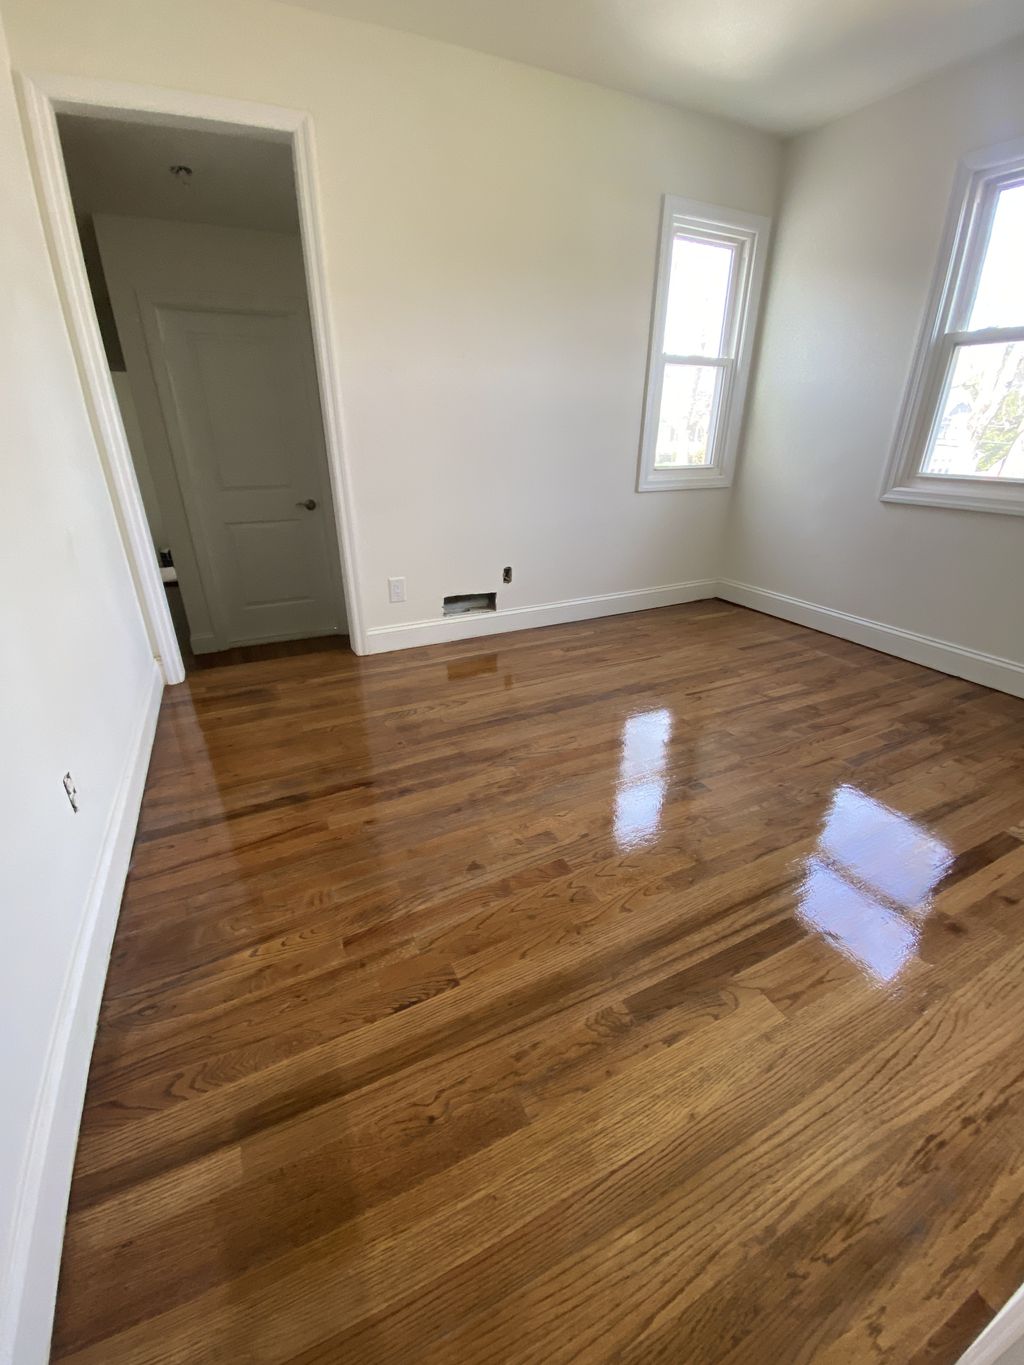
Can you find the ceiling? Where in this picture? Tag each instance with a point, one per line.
(784, 65)
(119, 167)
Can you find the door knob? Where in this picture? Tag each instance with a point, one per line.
(309, 504)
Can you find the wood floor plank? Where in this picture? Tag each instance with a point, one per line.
(646, 989)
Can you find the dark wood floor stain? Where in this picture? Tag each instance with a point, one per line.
(640, 990)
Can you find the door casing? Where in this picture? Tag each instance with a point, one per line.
(42, 97)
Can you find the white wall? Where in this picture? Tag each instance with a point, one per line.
(864, 204)
(77, 681)
(491, 233)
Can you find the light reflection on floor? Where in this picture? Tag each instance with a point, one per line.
(640, 793)
(867, 886)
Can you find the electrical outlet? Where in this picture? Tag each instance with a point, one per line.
(396, 589)
(72, 792)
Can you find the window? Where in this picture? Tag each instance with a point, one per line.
(960, 441)
(709, 279)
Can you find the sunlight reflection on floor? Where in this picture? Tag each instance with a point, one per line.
(867, 887)
(640, 793)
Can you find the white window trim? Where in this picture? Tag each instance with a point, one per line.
(963, 246)
(750, 232)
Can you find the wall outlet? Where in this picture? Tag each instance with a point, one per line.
(396, 589)
(72, 792)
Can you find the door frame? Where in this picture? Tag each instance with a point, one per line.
(45, 96)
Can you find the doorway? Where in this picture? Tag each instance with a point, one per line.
(185, 238)
(190, 239)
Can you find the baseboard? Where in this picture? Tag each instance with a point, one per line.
(1005, 1330)
(988, 669)
(26, 1316)
(436, 630)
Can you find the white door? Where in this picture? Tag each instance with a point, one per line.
(215, 331)
(246, 443)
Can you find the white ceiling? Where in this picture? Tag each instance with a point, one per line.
(120, 167)
(780, 64)
(117, 166)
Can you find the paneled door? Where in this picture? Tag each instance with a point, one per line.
(217, 343)
(242, 431)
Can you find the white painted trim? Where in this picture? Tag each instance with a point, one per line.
(380, 639)
(988, 669)
(961, 256)
(315, 257)
(80, 315)
(126, 100)
(1005, 675)
(1005, 1330)
(30, 1283)
(43, 96)
(748, 233)
(960, 493)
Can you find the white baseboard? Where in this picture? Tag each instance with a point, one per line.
(987, 669)
(26, 1315)
(1005, 1330)
(436, 630)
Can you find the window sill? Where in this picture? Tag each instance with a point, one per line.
(667, 480)
(962, 494)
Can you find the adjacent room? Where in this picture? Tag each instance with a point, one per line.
(190, 239)
(513, 519)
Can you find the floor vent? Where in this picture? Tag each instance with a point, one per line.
(462, 603)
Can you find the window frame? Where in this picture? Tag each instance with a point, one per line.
(748, 234)
(965, 240)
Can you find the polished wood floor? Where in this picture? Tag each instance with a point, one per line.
(640, 990)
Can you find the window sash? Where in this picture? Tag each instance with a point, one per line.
(738, 247)
(978, 234)
(951, 344)
(671, 358)
(724, 365)
(968, 230)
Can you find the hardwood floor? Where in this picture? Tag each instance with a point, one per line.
(641, 990)
(240, 654)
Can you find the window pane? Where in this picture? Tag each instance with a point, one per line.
(697, 291)
(687, 412)
(980, 433)
(999, 301)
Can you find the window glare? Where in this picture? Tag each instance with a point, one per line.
(697, 293)
(980, 433)
(999, 301)
(687, 413)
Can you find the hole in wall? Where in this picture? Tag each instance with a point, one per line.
(462, 603)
